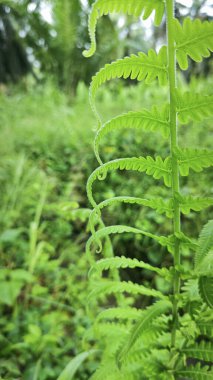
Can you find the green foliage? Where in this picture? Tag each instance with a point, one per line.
(103, 7)
(156, 344)
(194, 39)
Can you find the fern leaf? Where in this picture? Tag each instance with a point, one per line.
(155, 167)
(158, 204)
(141, 67)
(119, 229)
(194, 39)
(106, 287)
(144, 323)
(130, 313)
(205, 327)
(103, 7)
(202, 351)
(195, 159)
(205, 243)
(206, 290)
(196, 373)
(157, 119)
(123, 262)
(188, 203)
(192, 106)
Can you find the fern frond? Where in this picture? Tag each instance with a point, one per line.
(119, 229)
(194, 39)
(205, 243)
(195, 159)
(192, 106)
(147, 316)
(196, 373)
(156, 119)
(106, 287)
(206, 290)
(129, 313)
(156, 167)
(141, 67)
(103, 7)
(124, 262)
(188, 203)
(202, 351)
(205, 325)
(158, 204)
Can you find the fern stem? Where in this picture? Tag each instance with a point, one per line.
(173, 144)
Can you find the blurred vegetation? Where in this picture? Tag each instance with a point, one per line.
(46, 157)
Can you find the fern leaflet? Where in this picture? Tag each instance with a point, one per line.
(196, 373)
(206, 290)
(141, 67)
(195, 159)
(188, 203)
(194, 39)
(103, 7)
(192, 106)
(154, 120)
(105, 287)
(202, 351)
(124, 262)
(155, 167)
(205, 243)
(143, 324)
(119, 229)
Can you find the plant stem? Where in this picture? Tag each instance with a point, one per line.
(173, 144)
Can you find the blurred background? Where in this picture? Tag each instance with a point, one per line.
(46, 156)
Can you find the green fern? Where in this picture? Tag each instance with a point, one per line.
(103, 7)
(196, 373)
(124, 262)
(106, 287)
(206, 290)
(193, 39)
(141, 67)
(202, 351)
(157, 119)
(192, 106)
(205, 243)
(195, 159)
(143, 324)
(154, 343)
(156, 167)
(119, 229)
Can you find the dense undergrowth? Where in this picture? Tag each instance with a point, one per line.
(46, 157)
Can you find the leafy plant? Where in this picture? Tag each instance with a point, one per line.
(170, 339)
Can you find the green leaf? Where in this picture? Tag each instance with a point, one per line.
(129, 313)
(195, 159)
(141, 67)
(73, 365)
(206, 290)
(119, 229)
(188, 203)
(155, 167)
(104, 288)
(194, 39)
(192, 106)
(123, 262)
(196, 373)
(159, 204)
(205, 243)
(103, 7)
(202, 350)
(157, 119)
(144, 323)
